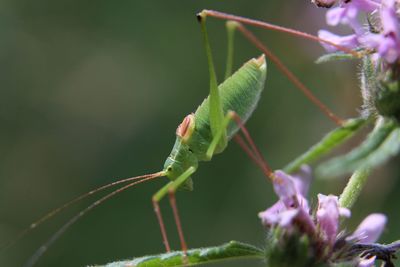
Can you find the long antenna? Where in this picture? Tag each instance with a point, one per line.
(73, 201)
(39, 252)
(307, 92)
(269, 26)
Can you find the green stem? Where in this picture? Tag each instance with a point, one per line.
(353, 188)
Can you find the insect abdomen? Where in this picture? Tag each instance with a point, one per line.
(239, 93)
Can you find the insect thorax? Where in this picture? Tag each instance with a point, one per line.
(180, 159)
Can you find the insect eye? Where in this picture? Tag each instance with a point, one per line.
(169, 169)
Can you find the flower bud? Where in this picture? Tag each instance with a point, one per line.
(387, 99)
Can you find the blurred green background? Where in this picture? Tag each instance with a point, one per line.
(92, 91)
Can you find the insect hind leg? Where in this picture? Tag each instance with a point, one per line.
(230, 30)
(290, 75)
(250, 148)
(237, 22)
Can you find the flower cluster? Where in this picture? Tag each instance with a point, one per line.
(292, 215)
(382, 37)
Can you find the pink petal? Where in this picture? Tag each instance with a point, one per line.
(389, 19)
(277, 215)
(292, 189)
(302, 179)
(335, 15)
(366, 5)
(389, 49)
(287, 217)
(367, 262)
(370, 229)
(349, 41)
(271, 216)
(305, 222)
(285, 188)
(328, 216)
(371, 40)
(343, 212)
(290, 201)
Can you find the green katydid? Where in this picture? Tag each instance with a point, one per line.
(200, 136)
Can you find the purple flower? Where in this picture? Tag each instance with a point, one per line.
(347, 13)
(348, 41)
(302, 179)
(387, 43)
(389, 18)
(367, 262)
(344, 15)
(292, 209)
(370, 229)
(368, 232)
(364, 5)
(328, 214)
(292, 213)
(291, 191)
(273, 215)
(285, 188)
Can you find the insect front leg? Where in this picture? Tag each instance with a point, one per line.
(160, 220)
(170, 189)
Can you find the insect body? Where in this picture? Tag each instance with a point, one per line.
(239, 93)
(195, 139)
(208, 130)
(200, 136)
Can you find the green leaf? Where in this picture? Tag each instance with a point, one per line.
(335, 56)
(381, 144)
(229, 251)
(330, 141)
(389, 148)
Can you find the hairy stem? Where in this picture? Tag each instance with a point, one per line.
(353, 188)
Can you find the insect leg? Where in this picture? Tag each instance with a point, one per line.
(307, 92)
(170, 189)
(160, 220)
(260, 159)
(250, 149)
(216, 113)
(230, 29)
(269, 26)
(239, 20)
